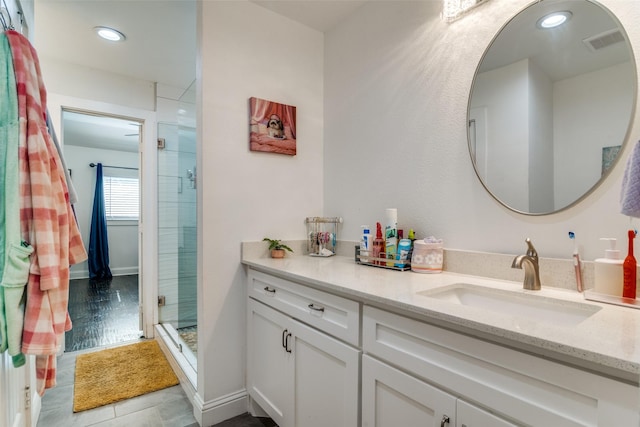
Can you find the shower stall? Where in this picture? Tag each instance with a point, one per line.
(177, 237)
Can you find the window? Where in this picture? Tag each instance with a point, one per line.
(121, 198)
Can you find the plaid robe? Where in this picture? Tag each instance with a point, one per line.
(46, 219)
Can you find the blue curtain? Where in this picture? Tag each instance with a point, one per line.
(98, 242)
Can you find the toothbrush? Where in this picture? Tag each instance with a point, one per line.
(577, 265)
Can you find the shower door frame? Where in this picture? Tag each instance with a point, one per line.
(167, 329)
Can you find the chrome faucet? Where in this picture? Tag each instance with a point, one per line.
(531, 270)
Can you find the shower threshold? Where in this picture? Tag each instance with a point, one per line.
(183, 355)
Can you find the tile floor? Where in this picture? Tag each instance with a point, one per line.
(164, 408)
(105, 314)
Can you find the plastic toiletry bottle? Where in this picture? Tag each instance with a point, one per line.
(391, 234)
(404, 247)
(629, 270)
(412, 238)
(608, 270)
(378, 245)
(365, 245)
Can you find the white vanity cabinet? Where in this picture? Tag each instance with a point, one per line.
(318, 359)
(392, 398)
(406, 359)
(298, 374)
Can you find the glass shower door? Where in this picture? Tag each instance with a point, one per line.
(177, 236)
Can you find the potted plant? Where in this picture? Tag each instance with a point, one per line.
(277, 248)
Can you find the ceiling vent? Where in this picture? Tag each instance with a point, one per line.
(602, 40)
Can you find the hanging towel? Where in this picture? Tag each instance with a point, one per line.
(46, 219)
(98, 238)
(8, 132)
(15, 253)
(630, 194)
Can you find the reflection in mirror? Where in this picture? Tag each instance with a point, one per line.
(551, 107)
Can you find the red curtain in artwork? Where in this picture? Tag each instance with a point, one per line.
(262, 109)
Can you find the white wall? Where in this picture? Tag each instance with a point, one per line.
(123, 250)
(97, 85)
(397, 80)
(590, 112)
(245, 50)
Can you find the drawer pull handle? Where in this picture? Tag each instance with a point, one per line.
(284, 342)
(318, 309)
(269, 290)
(445, 420)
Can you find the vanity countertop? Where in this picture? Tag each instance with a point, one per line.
(607, 342)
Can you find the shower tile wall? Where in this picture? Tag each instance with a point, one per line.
(177, 226)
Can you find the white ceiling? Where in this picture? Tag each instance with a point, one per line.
(161, 34)
(160, 46)
(321, 15)
(86, 130)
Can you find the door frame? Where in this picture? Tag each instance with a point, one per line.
(147, 227)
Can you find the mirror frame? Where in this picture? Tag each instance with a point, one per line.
(624, 142)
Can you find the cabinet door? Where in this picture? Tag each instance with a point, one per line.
(472, 416)
(326, 379)
(392, 398)
(269, 365)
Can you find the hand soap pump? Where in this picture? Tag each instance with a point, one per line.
(629, 268)
(608, 270)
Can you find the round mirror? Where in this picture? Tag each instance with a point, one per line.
(550, 106)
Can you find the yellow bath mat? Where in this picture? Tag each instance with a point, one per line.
(119, 373)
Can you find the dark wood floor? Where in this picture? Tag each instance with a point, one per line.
(102, 312)
(247, 420)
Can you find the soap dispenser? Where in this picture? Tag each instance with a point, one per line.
(608, 270)
(629, 268)
(378, 246)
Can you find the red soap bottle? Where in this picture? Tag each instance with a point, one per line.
(629, 270)
(378, 245)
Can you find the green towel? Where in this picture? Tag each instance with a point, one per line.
(6, 125)
(14, 271)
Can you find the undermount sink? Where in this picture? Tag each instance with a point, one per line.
(536, 307)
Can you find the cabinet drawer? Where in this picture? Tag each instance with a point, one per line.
(337, 316)
(528, 389)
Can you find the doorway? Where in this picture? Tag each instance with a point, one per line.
(105, 311)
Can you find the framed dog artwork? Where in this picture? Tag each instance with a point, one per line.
(272, 127)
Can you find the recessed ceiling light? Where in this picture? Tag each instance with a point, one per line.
(110, 34)
(554, 19)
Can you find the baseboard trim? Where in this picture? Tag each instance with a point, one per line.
(206, 413)
(218, 410)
